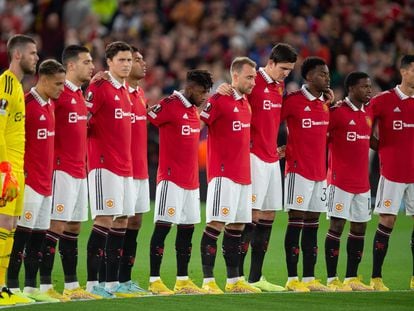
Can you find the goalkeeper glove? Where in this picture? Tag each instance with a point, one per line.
(9, 185)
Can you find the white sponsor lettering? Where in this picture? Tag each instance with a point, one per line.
(267, 105)
(135, 118)
(308, 123)
(44, 133)
(187, 130)
(353, 136)
(399, 125)
(74, 117)
(238, 125)
(119, 114)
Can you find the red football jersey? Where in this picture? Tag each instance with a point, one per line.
(348, 144)
(139, 133)
(307, 120)
(40, 137)
(394, 112)
(266, 103)
(179, 129)
(70, 139)
(109, 133)
(228, 144)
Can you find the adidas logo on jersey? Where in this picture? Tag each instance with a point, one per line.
(397, 109)
(73, 101)
(235, 109)
(307, 108)
(266, 90)
(116, 97)
(42, 117)
(352, 122)
(185, 116)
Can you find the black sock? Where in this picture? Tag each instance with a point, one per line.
(244, 246)
(412, 248)
(355, 248)
(68, 249)
(21, 236)
(113, 252)
(332, 242)
(48, 259)
(128, 255)
(260, 242)
(293, 230)
(309, 245)
(208, 248)
(183, 248)
(96, 246)
(33, 257)
(381, 238)
(157, 247)
(231, 251)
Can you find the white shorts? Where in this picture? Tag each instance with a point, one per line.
(390, 194)
(110, 194)
(141, 196)
(176, 205)
(228, 202)
(36, 211)
(69, 197)
(266, 185)
(304, 195)
(350, 206)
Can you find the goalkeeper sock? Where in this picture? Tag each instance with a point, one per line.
(231, 251)
(260, 242)
(292, 235)
(244, 246)
(68, 249)
(48, 251)
(157, 247)
(113, 252)
(208, 248)
(355, 247)
(381, 238)
(33, 257)
(95, 254)
(183, 248)
(128, 255)
(332, 243)
(309, 245)
(21, 237)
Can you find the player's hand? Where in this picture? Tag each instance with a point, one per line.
(225, 89)
(329, 96)
(281, 151)
(101, 75)
(9, 185)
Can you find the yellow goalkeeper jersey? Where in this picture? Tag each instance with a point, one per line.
(12, 117)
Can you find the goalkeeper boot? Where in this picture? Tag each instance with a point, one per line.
(378, 285)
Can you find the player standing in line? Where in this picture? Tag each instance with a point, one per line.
(38, 167)
(177, 198)
(266, 103)
(307, 116)
(228, 172)
(110, 172)
(140, 192)
(394, 118)
(349, 196)
(22, 54)
(69, 185)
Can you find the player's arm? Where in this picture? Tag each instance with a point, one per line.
(374, 139)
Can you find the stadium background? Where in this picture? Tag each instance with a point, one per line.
(175, 36)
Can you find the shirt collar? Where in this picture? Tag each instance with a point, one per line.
(265, 76)
(308, 95)
(39, 99)
(115, 82)
(400, 93)
(132, 90)
(352, 106)
(71, 86)
(236, 95)
(184, 100)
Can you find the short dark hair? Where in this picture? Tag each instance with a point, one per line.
(17, 41)
(406, 60)
(353, 79)
(283, 53)
(113, 48)
(238, 63)
(71, 52)
(200, 77)
(50, 67)
(311, 63)
(134, 49)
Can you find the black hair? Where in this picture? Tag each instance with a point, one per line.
(113, 48)
(17, 41)
(200, 77)
(353, 79)
(406, 60)
(50, 67)
(71, 52)
(283, 53)
(311, 63)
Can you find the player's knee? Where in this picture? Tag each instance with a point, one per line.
(337, 225)
(135, 222)
(387, 220)
(358, 227)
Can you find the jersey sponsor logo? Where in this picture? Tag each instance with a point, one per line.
(353, 136)
(28, 216)
(235, 109)
(225, 211)
(73, 117)
(238, 125)
(44, 133)
(60, 208)
(399, 125)
(352, 122)
(89, 96)
(339, 207)
(308, 123)
(18, 117)
(299, 199)
(187, 130)
(171, 211)
(109, 203)
(397, 109)
(307, 108)
(119, 113)
(116, 97)
(135, 118)
(267, 105)
(387, 203)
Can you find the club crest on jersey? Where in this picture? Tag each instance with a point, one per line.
(280, 90)
(109, 203)
(254, 198)
(387, 203)
(89, 96)
(28, 216)
(369, 121)
(171, 211)
(325, 107)
(339, 207)
(299, 199)
(225, 211)
(60, 208)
